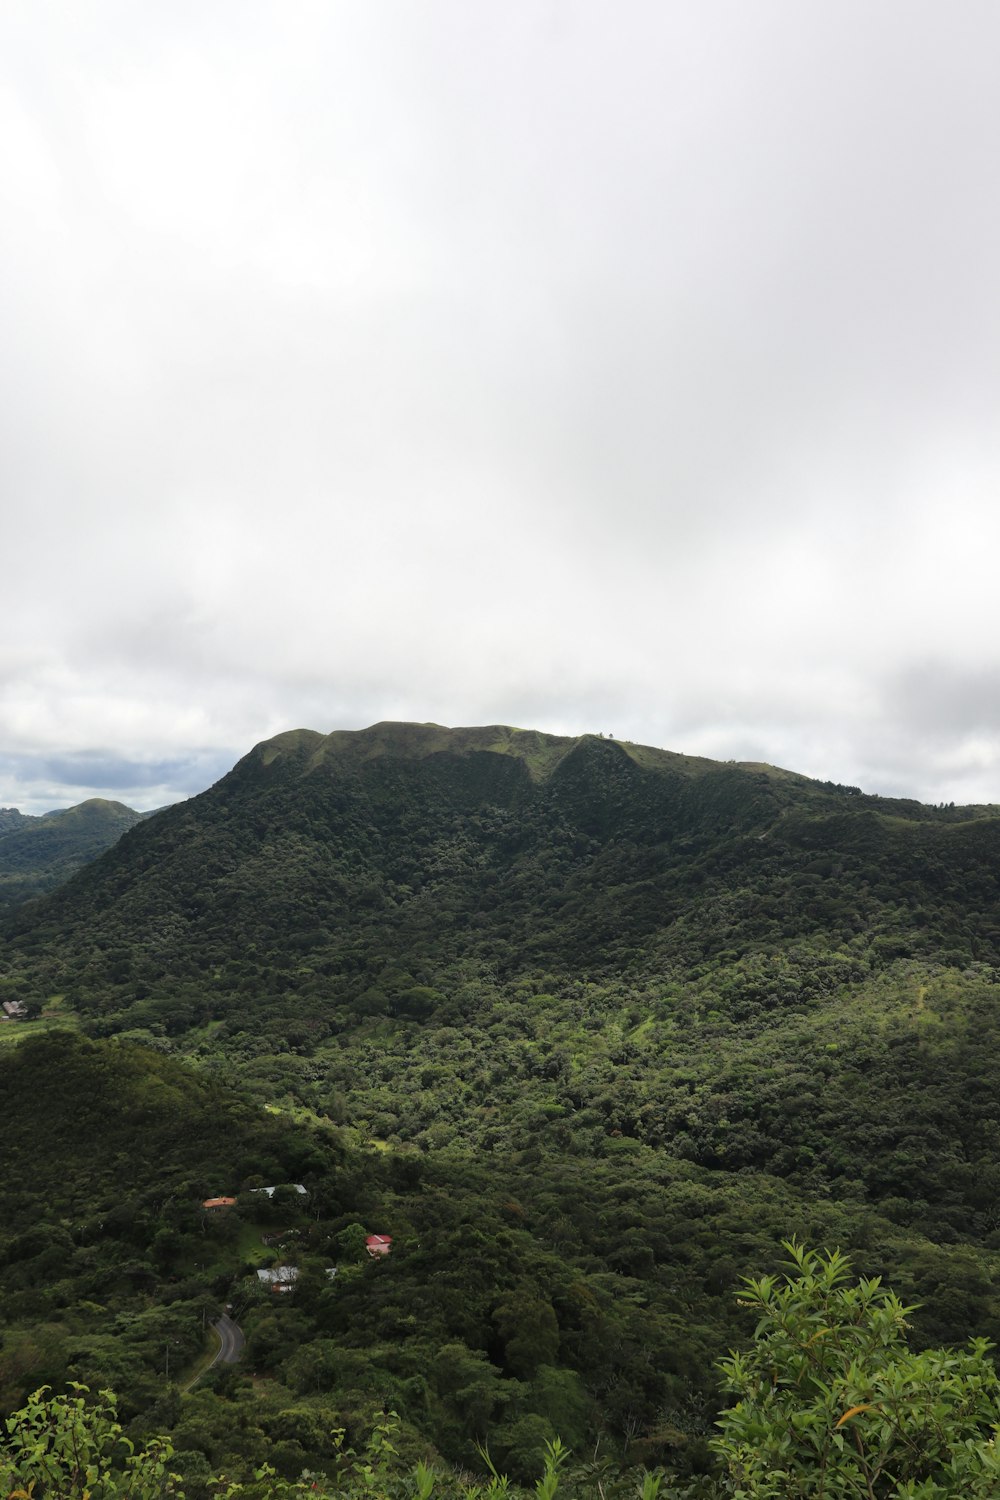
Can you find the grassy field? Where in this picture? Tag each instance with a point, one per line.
(12, 1032)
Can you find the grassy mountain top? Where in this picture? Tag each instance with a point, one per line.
(541, 753)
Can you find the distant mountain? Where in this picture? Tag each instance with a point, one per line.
(39, 853)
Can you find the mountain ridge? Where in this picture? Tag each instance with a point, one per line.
(542, 752)
(517, 835)
(539, 750)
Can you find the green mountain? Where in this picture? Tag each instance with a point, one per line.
(38, 853)
(597, 1025)
(323, 866)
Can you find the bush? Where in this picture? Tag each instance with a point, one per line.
(833, 1404)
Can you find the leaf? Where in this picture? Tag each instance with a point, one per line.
(852, 1411)
(820, 1332)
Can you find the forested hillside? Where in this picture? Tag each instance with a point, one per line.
(587, 1028)
(39, 853)
(106, 1267)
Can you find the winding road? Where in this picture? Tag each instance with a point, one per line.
(231, 1341)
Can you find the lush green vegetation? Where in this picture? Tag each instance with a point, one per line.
(832, 1404)
(37, 854)
(108, 1268)
(587, 1028)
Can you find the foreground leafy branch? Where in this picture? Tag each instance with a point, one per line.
(833, 1405)
(66, 1448)
(69, 1448)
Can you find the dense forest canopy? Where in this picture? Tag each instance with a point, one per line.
(587, 1028)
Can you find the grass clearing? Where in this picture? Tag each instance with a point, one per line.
(12, 1032)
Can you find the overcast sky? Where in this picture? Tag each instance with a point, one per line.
(630, 367)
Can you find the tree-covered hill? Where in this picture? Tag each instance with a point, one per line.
(600, 1025)
(509, 939)
(39, 853)
(323, 863)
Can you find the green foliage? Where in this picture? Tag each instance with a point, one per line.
(39, 853)
(69, 1448)
(833, 1404)
(585, 1027)
(530, 1331)
(109, 1269)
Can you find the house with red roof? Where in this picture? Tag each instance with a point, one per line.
(378, 1244)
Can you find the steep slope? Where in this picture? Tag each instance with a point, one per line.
(336, 857)
(37, 854)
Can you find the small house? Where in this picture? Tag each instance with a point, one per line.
(279, 1278)
(378, 1244)
(219, 1203)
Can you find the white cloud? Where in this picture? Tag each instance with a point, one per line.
(560, 365)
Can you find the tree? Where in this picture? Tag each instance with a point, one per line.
(833, 1405)
(529, 1330)
(351, 1244)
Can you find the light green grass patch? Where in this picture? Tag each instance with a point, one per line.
(12, 1032)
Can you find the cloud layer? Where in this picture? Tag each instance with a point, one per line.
(574, 365)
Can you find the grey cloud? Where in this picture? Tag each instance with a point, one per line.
(632, 370)
(64, 780)
(946, 702)
(91, 768)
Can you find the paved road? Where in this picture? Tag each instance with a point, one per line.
(231, 1341)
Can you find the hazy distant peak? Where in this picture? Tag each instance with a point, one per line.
(39, 853)
(96, 808)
